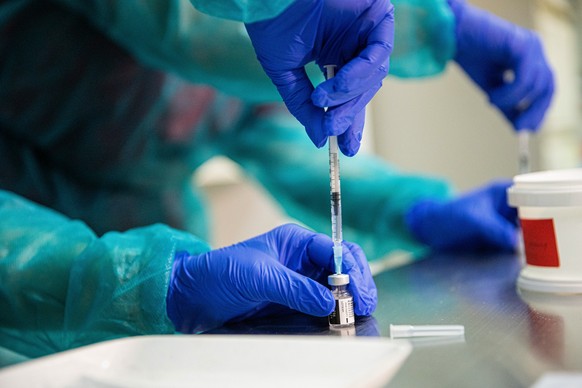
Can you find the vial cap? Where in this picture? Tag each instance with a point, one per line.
(338, 279)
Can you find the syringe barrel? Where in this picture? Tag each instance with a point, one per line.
(335, 190)
(523, 151)
(335, 193)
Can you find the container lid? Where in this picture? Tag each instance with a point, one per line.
(547, 188)
(338, 279)
(552, 286)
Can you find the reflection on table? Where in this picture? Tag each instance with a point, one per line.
(511, 338)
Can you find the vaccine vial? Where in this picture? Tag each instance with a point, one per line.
(343, 315)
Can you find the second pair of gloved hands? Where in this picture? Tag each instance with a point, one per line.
(480, 220)
(284, 269)
(506, 61)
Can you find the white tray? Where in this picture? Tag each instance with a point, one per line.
(217, 361)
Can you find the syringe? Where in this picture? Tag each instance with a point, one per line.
(523, 151)
(335, 192)
(522, 134)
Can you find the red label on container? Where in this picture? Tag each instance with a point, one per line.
(539, 240)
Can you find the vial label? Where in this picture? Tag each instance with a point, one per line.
(539, 238)
(343, 313)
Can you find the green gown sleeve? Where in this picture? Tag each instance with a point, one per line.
(173, 36)
(247, 11)
(424, 38)
(207, 48)
(274, 150)
(62, 287)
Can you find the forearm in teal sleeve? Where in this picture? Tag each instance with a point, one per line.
(62, 287)
(173, 36)
(424, 40)
(375, 196)
(247, 11)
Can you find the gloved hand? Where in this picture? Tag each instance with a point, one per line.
(357, 36)
(287, 266)
(506, 61)
(478, 220)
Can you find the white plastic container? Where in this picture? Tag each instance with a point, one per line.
(240, 361)
(550, 211)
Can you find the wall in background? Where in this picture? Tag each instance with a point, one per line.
(441, 126)
(445, 126)
(558, 22)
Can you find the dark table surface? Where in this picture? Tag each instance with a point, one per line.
(511, 337)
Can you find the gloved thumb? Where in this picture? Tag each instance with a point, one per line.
(463, 224)
(499, 233)
(281, 285)
(295, 87)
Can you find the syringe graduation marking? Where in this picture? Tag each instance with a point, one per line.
(335, 194)
(335, 198)
(523, 151)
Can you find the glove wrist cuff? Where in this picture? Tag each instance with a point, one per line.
(458, 9)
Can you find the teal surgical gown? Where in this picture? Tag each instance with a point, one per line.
(106, 110)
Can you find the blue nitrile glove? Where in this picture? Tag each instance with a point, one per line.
(357, 36)
(507, 62)
(480, 220)
(287, 266)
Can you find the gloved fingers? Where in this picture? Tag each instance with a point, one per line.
(339, 90)
(498, 234)
(491, 233)
(358, 75)
(525, 99)
(361, 281)
(478, 220)
(354, 264)
(487, 46)
(279, 284)
(320, 252)
(355, 78)
(487, 218)
(349, 142)
(348, 119)
(510, 95)
(509, 214)
(532, 117)
(295, 250)
(358, 257)
(295, 89)
(520, 98)
(339, 118)
(498, 192)
(291, 232)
